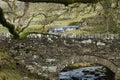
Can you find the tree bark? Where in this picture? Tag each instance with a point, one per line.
(66, 2)
(9, 26)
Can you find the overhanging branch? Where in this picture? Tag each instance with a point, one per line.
(66, 2)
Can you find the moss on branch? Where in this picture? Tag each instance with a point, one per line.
(8, 25)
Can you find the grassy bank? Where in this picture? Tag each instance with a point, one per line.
(8, 70)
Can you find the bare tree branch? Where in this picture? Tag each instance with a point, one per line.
(24, 15)
(9, 5)
(33, 16)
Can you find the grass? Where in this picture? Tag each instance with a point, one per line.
(72, 18)
(10, 74)
(2, 29)
(8, 69)
(38, 27)
(76, 32)
(99, 29)
(67, 22)
(78, 65)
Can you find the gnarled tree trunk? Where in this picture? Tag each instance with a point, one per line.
(9, 26)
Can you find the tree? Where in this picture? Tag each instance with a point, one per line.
(14, 16)
(110, 7)
(11, 27)
(8, 25)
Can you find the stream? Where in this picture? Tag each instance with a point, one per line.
(85, 73)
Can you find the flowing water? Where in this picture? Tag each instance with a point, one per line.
(86, 73)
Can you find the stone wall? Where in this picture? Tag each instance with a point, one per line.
(46, 54)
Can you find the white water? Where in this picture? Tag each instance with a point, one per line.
(80, 75)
